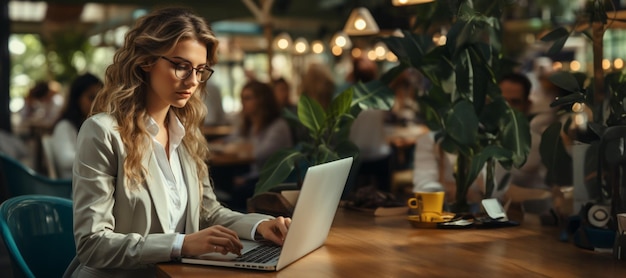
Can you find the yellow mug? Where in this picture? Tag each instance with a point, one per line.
(431, 202)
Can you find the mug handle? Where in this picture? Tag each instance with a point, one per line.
(418, 203)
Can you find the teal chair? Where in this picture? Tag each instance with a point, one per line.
(38, 234)
(21, 180)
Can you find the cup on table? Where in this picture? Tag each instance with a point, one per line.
(429, 205)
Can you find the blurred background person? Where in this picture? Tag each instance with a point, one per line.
(82, 92)
(212, 98)
(260, 132)
(42, 106)
(318, 84)
(516, 89)
(368, 133)
(282, 93)
(405, 109)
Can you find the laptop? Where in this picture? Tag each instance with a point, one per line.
(312, 217)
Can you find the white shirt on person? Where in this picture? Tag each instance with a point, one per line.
(64, 148)
(171, 171)
(368, 133)
(433, 171)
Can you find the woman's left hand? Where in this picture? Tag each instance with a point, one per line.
(274, 230)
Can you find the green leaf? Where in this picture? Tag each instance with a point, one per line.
(568, 99)
(277, 168)
(479, 160)
(311, 114)
(324, 154)
(409, 49)
(554, 156)
(556, 34)
(565, 81)
(491, 116)
(516, 136)
(346, 148)
(374, 94)
(390, 75)
(464, 79)
(461, 123)
(557, 46)
(341, 104)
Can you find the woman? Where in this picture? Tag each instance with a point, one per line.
(141, 188)
(82, 93)
(282, 93)
(262, 132)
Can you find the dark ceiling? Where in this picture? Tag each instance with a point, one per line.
(309, 18)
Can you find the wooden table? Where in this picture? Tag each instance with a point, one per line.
(216, 132)
(360, 245)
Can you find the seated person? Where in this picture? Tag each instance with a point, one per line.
(282, 93)
(82, 93)
(516, 89)
(261, 132)
(42, 106)
(433, 171)
(212, 98)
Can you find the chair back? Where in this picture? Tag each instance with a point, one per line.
(48, 153)
(22, 180)
(38, 234)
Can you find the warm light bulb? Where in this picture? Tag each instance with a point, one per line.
(618, 63)
(360, 24)
(442, 40)
(436, 38)
(300, 47)
(340, 41)
(371, 55)
(606, 64)
(578, 107)
(282, 43)
(574, 65)
(380, 51)
(580, 119)
(317, 47)
(337, 50)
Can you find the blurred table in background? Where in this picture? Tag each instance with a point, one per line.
(225, 166)
(216, 132)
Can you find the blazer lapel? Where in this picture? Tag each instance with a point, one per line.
(193, 191)
(155, 183)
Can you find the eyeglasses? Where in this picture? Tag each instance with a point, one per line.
(184, 69)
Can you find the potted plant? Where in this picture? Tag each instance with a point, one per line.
(598, 119)
(464, 104)
(326, 139)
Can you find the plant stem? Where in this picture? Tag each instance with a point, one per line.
(598, 72)
(462, 184)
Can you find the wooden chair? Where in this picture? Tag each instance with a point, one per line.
(21, 180)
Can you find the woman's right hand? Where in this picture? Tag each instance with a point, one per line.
(212, 239)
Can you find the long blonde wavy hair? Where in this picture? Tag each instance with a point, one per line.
(125, 86)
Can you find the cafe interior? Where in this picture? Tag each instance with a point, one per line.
(487, 136)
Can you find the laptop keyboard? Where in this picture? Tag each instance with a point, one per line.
(260, 254)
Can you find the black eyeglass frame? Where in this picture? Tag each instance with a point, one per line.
(200, 69)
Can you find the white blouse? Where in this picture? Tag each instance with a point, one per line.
(171, 172)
